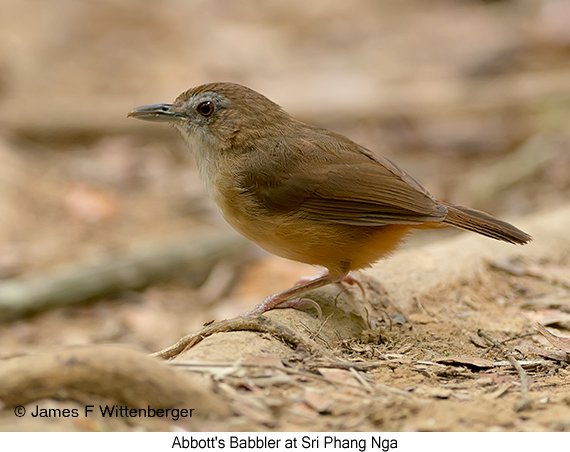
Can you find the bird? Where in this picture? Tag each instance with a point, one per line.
(303, 192)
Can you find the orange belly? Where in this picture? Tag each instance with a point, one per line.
(330, 245)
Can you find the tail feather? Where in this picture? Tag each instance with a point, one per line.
(485, 224)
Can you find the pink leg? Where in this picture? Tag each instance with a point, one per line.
(306, 279)
(290, 298)
(348, 279)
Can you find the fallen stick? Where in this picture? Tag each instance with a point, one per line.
(121, 375)
(129, 269)
(524, 401)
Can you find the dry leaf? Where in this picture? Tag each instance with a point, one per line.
(436, 393)
(561, 342)
(338, 375)
(253, 408)
(560, 302)
(318, 402)
(557, 355)
(478, 341)
(480, 363)
(265, 361)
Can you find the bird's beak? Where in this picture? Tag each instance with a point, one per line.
(156, 112)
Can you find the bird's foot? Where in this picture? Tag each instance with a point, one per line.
(291, 298)
(351, 280)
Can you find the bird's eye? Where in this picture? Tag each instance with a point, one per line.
(206, 108)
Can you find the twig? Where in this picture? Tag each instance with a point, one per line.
(520, 336)
(389, 317)
(424, 308)
(504, 341)
(257, 323)
(361, 379)
(362, 366)
(524, 401)
(323, 323)
(129, 269)
(374, 389)
(86, 373)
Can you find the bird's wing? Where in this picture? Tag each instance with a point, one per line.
(349, 186)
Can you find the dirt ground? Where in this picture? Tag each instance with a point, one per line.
(471, 98)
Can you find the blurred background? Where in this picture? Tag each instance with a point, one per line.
(472, 98)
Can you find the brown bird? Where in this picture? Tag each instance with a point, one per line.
(303, 192)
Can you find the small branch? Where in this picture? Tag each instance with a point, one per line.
(257, 323)
(376, 388)
(84, 373)
(524, 401)
(129, 269)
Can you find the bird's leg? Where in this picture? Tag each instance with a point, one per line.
(306, 279)
(290, 298)
(348, 279)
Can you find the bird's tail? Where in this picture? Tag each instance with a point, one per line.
(485, 224)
